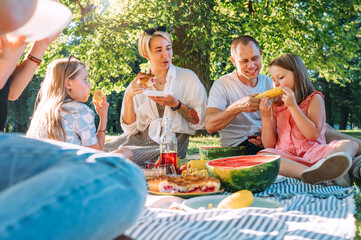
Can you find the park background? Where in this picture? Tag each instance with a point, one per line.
(103, 33)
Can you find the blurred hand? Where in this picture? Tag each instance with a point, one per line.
(13, 48)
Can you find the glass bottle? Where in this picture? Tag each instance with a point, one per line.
(168, 144)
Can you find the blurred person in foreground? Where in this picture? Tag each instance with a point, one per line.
(51, 189)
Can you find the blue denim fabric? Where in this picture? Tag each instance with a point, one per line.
(54, 190)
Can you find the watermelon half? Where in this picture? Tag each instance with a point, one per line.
(254, 173)
(210, 153)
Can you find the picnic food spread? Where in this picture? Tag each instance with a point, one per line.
(272, 93)
(240, 199)
(146, 81)
(254, 173)
(187, 184)
(98, 96)
(210, 153)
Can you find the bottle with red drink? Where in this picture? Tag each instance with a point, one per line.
(168, 144)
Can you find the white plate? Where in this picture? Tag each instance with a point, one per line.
(202, 203)
(49, 18)
(157, 93)
(279, 179)
(187, 195)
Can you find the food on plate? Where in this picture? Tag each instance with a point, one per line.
(253, 173)
(210, 153)
(98, 96)
(240, 199)
(187, 184)
(272, 93)
(146, 81)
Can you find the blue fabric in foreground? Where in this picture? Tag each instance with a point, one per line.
(307, 212)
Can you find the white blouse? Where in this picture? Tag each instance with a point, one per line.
(187, 88)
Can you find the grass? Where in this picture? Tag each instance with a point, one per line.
(202, 141)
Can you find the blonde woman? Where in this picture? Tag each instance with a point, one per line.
(141, 115)
(60, 113)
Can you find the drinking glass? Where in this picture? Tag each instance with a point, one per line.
(167, 169)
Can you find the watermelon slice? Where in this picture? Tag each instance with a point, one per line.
(253, 173)
(210, 153)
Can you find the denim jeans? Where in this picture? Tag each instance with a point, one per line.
(55, 190)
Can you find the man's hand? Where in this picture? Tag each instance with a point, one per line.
(247, 104)
(257, 140)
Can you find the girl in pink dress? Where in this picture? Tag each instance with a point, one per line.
(296, 129)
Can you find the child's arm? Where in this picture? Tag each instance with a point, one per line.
(102, 110)
(310, 125)
(269, 133)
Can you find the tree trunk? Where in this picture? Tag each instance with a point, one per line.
(328, 100)
(190, 48)
(344, 117)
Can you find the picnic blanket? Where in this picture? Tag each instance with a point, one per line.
(307, 212)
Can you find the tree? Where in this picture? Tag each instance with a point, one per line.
(104, 34)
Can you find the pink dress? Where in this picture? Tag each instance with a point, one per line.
(292, 144)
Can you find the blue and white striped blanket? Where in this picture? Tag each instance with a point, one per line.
(307, 212)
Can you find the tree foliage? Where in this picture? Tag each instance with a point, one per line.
(104, 34)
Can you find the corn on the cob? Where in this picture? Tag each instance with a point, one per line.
(195, 172)
(240, 199)
(196, 167)
(272, 93)
(196, 164)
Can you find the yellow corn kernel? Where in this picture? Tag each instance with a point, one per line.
(240, 199)
(196, 164)
(272, 93)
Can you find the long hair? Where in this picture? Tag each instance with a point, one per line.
(293, 63)
(46, 120)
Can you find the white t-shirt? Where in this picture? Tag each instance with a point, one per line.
(229, 89)
(186, 87)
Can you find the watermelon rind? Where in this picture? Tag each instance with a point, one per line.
(210, 153)
(253, 178)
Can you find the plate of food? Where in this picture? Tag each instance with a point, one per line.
(48, 19)
(157, 93)
(184, 186)
(187, 195)
(211, 202)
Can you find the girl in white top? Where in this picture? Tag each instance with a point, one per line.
(141, 117)
(60, 113)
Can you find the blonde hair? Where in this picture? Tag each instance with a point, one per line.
(144, 41)
(293, 63)
(46, 120)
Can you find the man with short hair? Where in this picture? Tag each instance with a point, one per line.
(232, 107)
